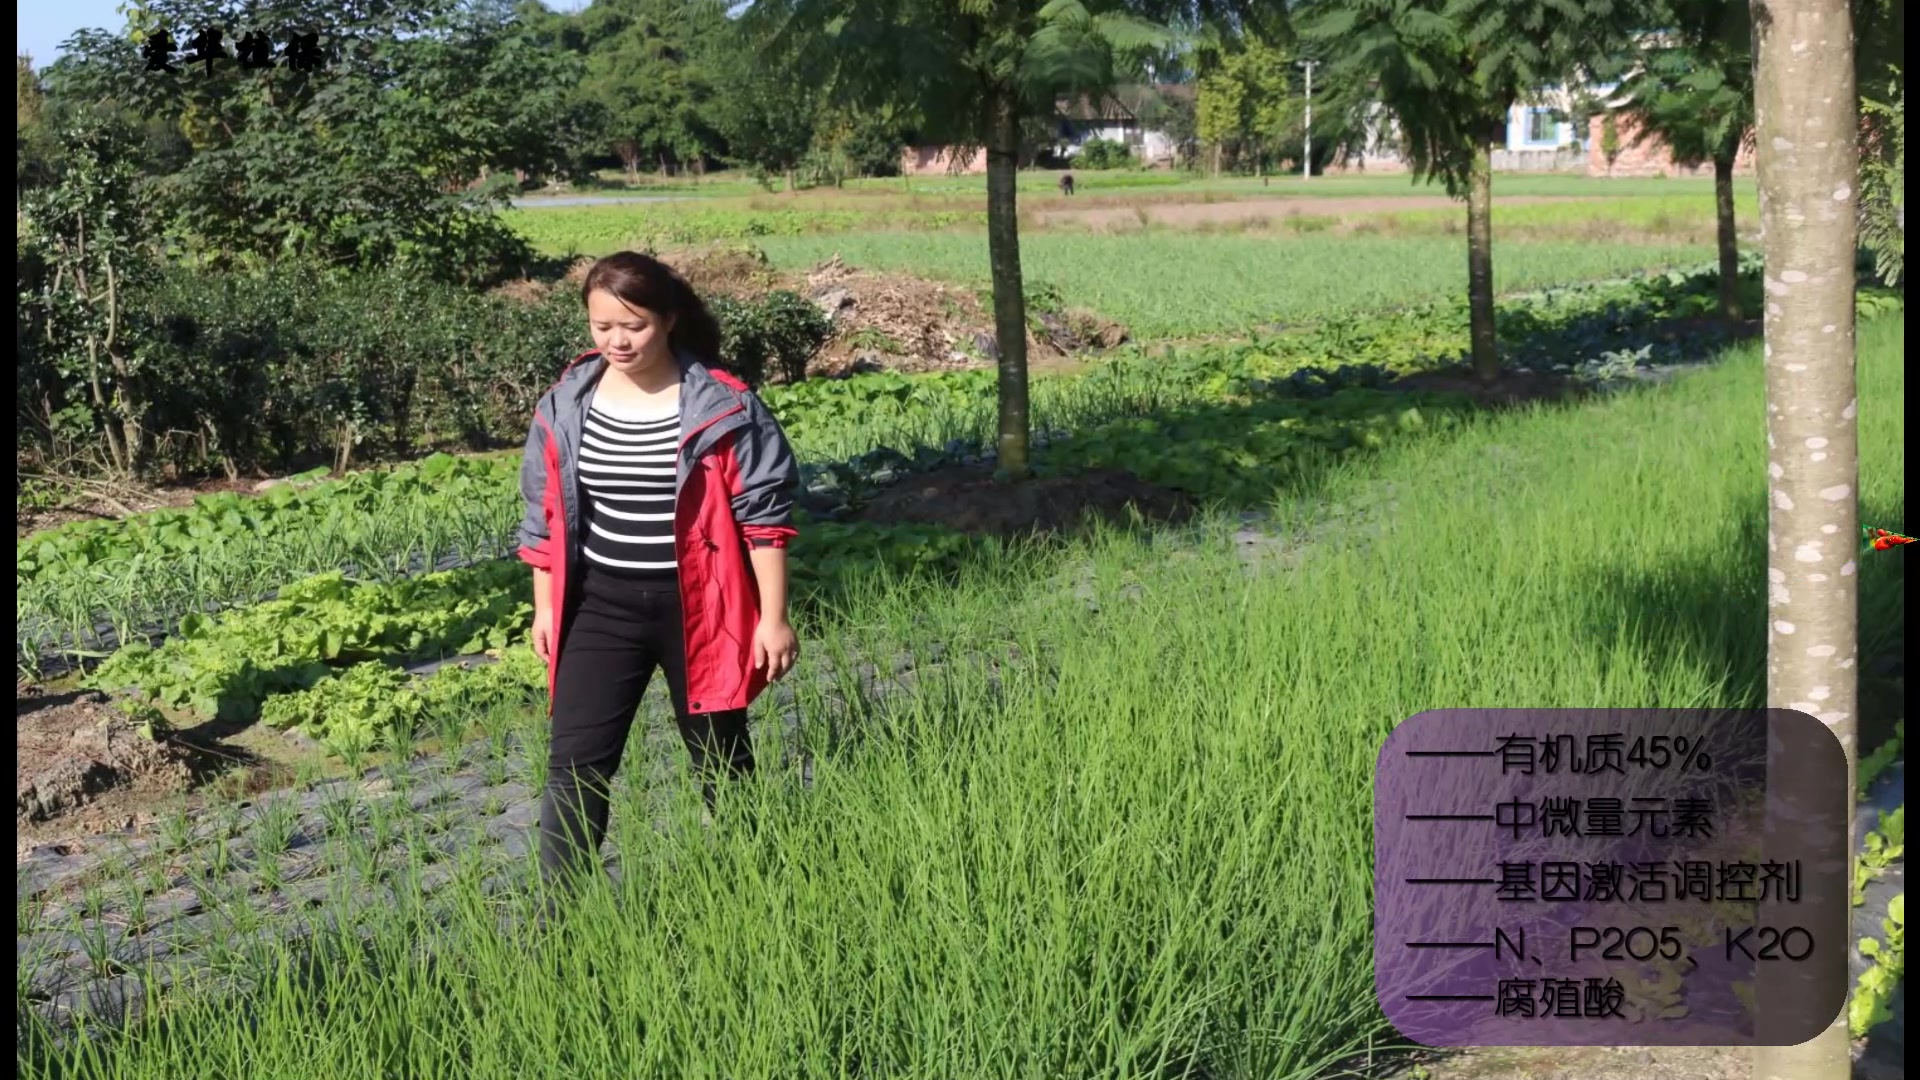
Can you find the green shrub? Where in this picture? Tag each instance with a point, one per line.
(772, 336)
(281, 371)
(1104, 154)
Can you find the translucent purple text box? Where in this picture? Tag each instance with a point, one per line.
(1647, 877)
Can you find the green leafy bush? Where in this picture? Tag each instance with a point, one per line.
(370, 703)
(1888, 752)
(224, 666)
(1873, 997)
(772, 336)
(302, 506)
(1883, 183)
(1885, 846)
(300, 367)
(1104, 154)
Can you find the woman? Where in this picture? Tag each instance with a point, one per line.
(659, 501)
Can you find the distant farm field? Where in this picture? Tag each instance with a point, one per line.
(1130, 180)
(1168, 284)
(602, 228)
(1174, 257)
(1562, 206)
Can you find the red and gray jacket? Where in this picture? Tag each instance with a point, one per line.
(735, 483)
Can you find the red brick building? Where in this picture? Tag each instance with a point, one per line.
(1646, 157)
(940, 161)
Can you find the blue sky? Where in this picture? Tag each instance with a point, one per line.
(45, 24)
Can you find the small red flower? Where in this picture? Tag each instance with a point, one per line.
(1882, 540)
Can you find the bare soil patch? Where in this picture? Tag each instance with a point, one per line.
(967, 499)
(1509, 388)
(83, 769)
(95, 501)
(881, 321)
(891, 322)
(1250, 211)
(80, 765)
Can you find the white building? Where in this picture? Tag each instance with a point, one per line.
(1541, 135)
(1119, 117)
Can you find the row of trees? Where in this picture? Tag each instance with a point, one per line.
(421, 98)
(372, 161)
(678, 84)
(1447, 73)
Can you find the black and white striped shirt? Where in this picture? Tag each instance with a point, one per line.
(627, 468)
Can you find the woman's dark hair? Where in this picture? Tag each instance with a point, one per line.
(643, 281)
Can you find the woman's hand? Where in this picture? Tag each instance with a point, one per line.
(775, 648)
(543, 634)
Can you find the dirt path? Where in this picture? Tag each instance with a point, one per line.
(1190, 214)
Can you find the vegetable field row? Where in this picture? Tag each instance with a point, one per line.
(1236, 411)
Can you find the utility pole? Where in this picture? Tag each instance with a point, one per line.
(1306, 163)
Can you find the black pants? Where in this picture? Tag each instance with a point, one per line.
(619, 631)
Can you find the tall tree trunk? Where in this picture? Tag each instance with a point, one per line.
(1804, 104)
(1486, 352)
(1009, 297)
(1729, 240)
(124, 394)
(119, 455)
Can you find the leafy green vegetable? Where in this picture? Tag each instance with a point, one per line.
(1873, 997)
(368, 703)
(224, 666)
(305, 502)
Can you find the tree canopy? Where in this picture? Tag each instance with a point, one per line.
(1449, 70)
(367, 159)
(1251, 96)
(1692, 85)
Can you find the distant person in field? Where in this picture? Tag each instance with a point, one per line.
(659, 502)
(1066, 183)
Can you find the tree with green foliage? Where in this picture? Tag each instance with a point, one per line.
(778, 122)
(1219, 107)
(648, 70)
(87, 245)
(369, 160)
(1692, 89)
(1879, 42)
(1610, 140)
(974, 74)
(768, 114)
(1883, 179)
(1248, 100)
(1449, 72)
(33, 145)
(850, 141)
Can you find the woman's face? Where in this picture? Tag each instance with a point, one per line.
(631, 338)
